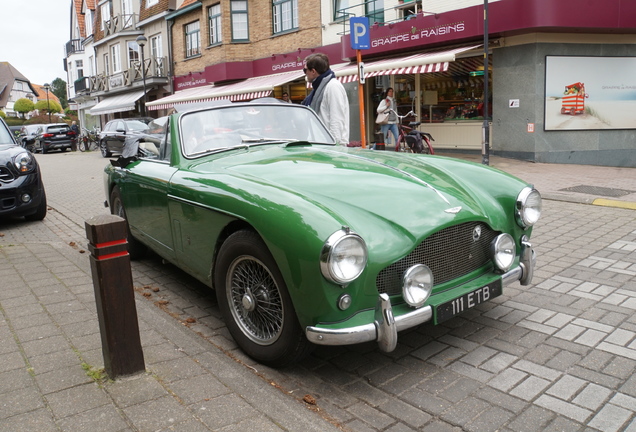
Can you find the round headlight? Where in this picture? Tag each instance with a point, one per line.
(417, 285)
(528, 207)
(343, 257)
(24, 162)
(503, 251)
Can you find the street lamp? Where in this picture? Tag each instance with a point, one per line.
(47, 87)
(141, 41)
(485, 150)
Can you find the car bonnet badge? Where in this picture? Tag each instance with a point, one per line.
(477, 233)
(453, 210)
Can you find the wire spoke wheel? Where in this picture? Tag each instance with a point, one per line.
(255, 300)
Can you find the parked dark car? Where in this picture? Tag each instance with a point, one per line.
(114, 134)
(21, 189)
(55, 136)
(28, 133)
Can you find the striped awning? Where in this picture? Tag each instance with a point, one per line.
(416, 63)
(251, 88)
(114, 104)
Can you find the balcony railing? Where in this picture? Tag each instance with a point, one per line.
(119, 23)
(82, 85)
(74, 46)
(154, 67)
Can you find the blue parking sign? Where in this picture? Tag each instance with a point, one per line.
(359, 30)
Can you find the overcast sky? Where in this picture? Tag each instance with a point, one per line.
(33, 34)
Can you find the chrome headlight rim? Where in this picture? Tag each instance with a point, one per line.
(417, 285)
(528, 208)
(504, 251)
(329, 257)
(24, 162)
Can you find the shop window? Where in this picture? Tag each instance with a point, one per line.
(240, 25)
(214, 21)
(193, 39)
(285, 15)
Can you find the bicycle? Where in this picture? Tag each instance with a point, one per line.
(89, 140)
(411, 140)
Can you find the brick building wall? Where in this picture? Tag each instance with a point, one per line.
(262, 42)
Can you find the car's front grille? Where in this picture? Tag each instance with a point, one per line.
(449, 253)
(5, 174)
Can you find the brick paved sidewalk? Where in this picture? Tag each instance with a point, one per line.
(50, 355)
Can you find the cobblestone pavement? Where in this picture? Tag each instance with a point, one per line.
(558, 355)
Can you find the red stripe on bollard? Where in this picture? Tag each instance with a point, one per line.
(113, 255)
(110, 243)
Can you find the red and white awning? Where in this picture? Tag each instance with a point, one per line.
(416, 63)
(251, 88)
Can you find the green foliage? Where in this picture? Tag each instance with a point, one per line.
(49, 106)
(3, 115)
(23, 105)
(59, 89)
(14, 121)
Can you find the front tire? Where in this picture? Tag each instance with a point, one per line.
(40, 213)
(136, 249)
(255, 304)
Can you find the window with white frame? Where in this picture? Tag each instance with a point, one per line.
(115, 58)
(133, 53)
(105, 10)
(79, 65)
(285, 15)
(214, 21)
(193, 39)
(106, 65)
(240, 27)
(151, 2)
(127, 13)
(156, 47)
(88, 22)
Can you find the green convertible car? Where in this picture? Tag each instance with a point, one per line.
(307, 242)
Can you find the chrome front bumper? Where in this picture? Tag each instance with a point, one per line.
(385, 327)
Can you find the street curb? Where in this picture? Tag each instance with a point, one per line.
(602, 202)
(613, 203)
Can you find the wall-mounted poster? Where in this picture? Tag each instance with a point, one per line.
(586, 93)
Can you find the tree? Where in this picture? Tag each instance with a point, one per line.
(59, 89)
(23, 106)
(49, 106)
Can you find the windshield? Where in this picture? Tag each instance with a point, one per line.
(5, 135)
(136, 125)
(229, 127)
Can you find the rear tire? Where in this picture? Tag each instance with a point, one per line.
(136, 249)
(255, 303)
(104, 148)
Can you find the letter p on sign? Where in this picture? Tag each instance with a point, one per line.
(359, 29)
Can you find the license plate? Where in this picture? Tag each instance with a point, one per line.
(448, 310)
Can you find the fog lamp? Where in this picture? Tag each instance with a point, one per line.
(25, 198)
(417, 285)
(503, 251)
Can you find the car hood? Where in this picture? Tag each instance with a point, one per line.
(360, 187)
(7, 151)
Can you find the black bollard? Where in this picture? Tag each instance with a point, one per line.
(112, 281)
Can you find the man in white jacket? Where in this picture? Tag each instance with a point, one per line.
(328, 97)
